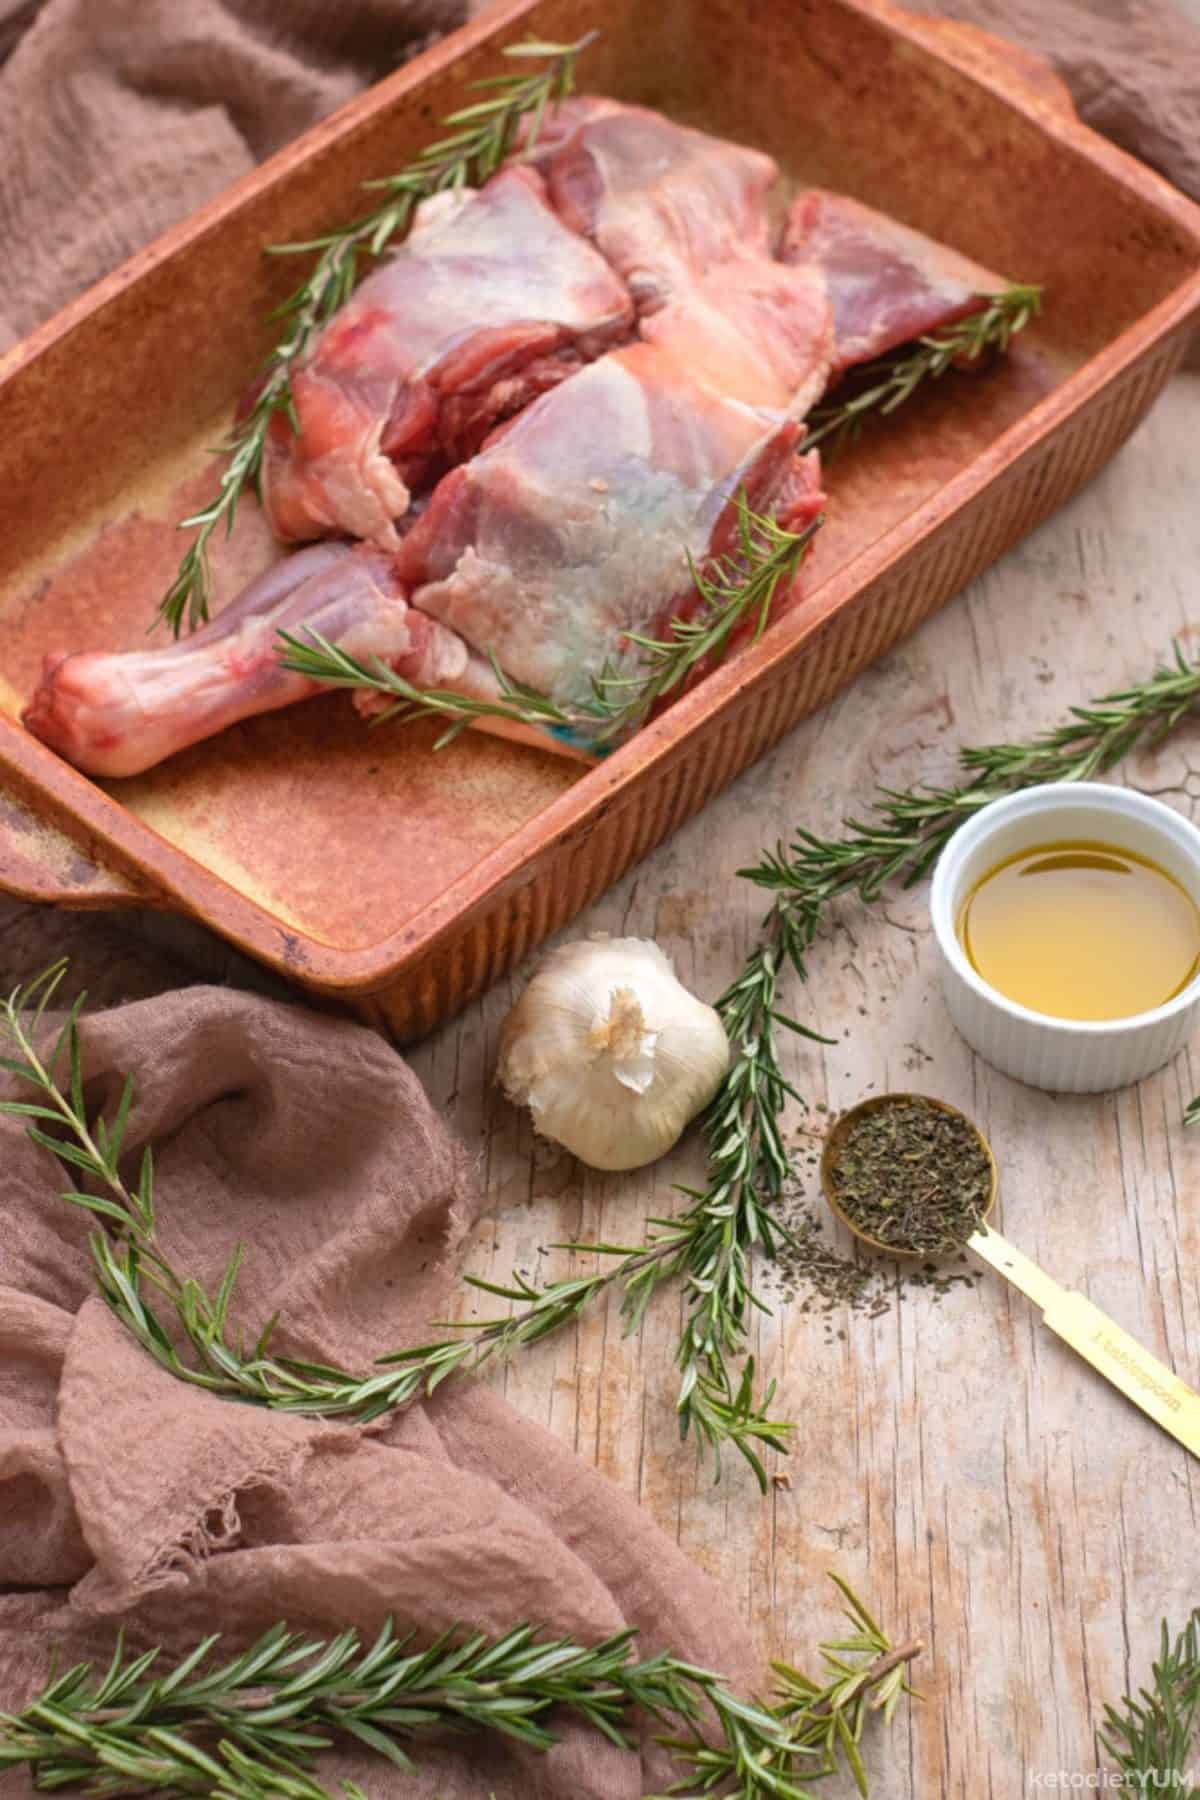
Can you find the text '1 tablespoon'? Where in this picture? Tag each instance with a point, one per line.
(1124, 1362)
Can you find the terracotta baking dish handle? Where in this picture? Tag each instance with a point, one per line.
(40, 862)
(1026, 76)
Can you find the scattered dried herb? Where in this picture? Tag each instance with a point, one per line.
(811, 1273)
(913, 1175)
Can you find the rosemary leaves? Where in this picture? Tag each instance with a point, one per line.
(882, 386)
(1151, 1738)
(735, 593)
(253, 1726)
(485, 134)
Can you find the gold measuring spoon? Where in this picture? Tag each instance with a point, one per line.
(1072, 1317)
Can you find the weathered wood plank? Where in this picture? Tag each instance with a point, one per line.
(955, 1462)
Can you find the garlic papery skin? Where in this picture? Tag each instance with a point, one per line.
(610, 1052)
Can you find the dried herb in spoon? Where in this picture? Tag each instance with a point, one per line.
(911, 1175)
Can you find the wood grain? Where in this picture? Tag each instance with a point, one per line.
(956, 1463)
(968, 1475)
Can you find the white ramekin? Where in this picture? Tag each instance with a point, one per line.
(1067, 1056)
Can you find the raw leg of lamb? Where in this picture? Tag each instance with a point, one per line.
(887, 283)
(568, 531)
(663, 203)
(117, 714)
(572, 527)
(490, 301)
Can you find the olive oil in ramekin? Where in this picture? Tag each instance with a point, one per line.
(1082, 931)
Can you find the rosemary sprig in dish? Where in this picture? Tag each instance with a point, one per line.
(253, 1726)
(485, 136)
(733, 590)
(882, 386)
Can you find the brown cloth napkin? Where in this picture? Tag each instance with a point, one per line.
(1133, 68)
(119, 116)
(127, 1498)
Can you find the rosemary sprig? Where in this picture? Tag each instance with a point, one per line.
(730, 1218)
(885, 384)
(864, 1673)
(253, 1727)
(486, 134)
(1150, 1738)
(733, 590)
(907, 831)
(314, 657)
(135, 1276)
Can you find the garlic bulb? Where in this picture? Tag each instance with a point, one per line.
(610, 1052)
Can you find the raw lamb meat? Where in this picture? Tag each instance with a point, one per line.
(683, 217)
(887, 283)
(577, 371)
(663, 203)
(569, 530)
(573, 527)
(490, 301)
(755, 331)
(573, 524)
(117, 714)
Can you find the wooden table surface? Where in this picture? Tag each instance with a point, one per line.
(969, 1476)
(972, 1479)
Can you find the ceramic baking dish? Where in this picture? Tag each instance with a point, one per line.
(364, 865)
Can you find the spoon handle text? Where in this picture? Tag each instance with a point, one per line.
(1170, 1402)
(1149, 1383)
